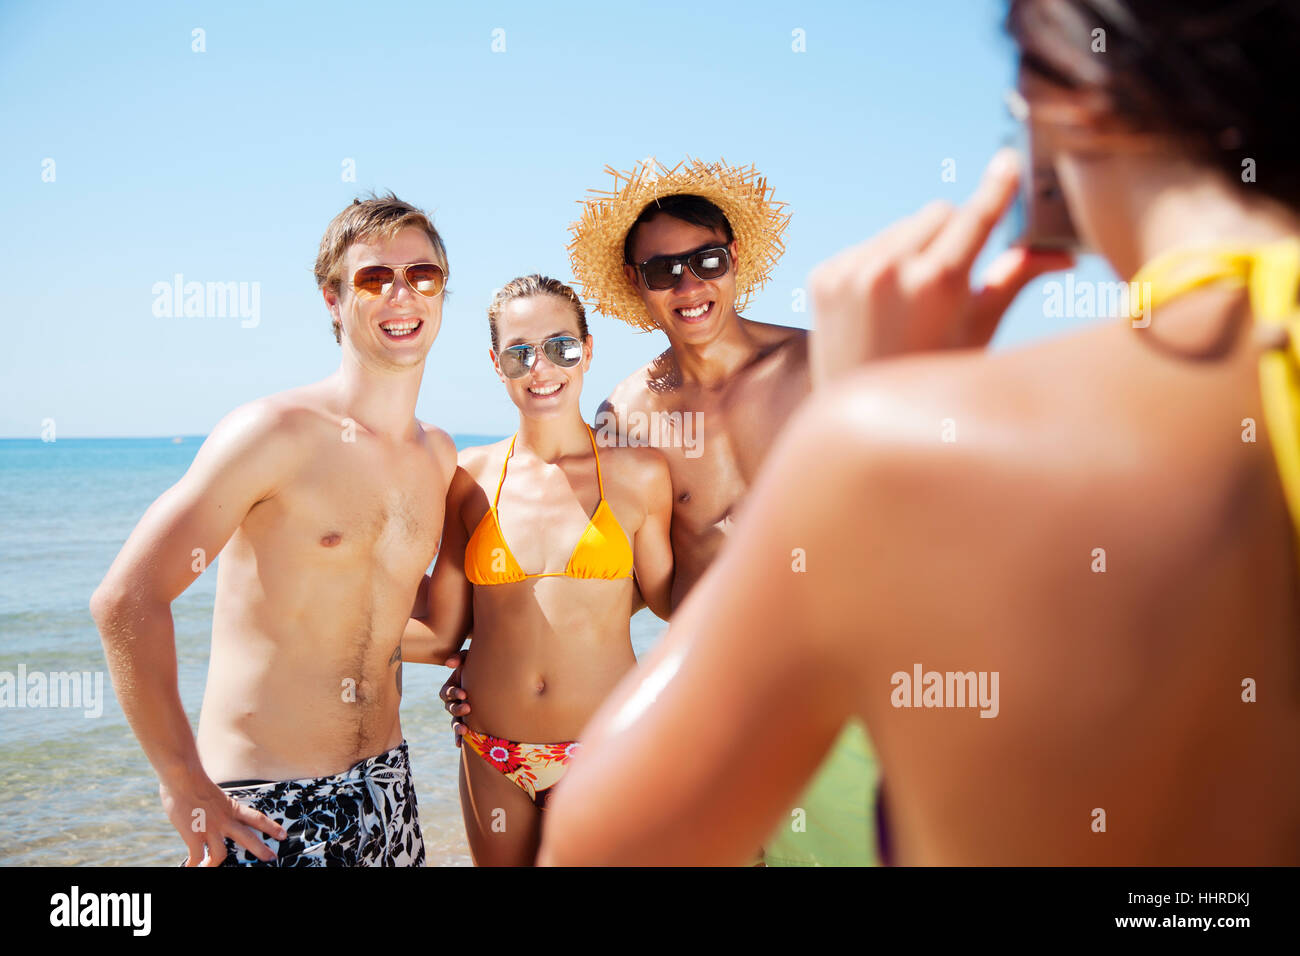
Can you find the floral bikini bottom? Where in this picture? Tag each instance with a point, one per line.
(534, 768)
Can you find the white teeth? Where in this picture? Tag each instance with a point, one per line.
(694, 313)
(547, 390)
(399, 329)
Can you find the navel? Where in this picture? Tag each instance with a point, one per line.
(331, 539)
(684, 497)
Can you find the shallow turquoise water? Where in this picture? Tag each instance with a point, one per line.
(77, 789)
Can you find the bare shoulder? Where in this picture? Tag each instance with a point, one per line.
(273, 426)
(442, 446)
(307, 410)
(638, 391)
(924, 411)
(773, 334)
(964, 440)
(1104, 402)
(479, 462)
(786, 341)
(635, 465)
(257, 448)
(1021, 461)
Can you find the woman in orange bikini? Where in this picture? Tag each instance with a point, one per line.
(1107, 521)
(547, 544)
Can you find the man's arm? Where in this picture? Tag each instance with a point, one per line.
(611, 431)
(652, 550)
(418, 639)
(786, 581)
(240, 464)
(444, 608)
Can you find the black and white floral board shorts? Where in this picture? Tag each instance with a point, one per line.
(365, 816)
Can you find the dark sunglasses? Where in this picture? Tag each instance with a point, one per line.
(664, 272)
(518, 360)
(426, 278)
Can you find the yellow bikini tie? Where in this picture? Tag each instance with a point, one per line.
(1271, 274)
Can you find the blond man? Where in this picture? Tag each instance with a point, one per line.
(325, 503)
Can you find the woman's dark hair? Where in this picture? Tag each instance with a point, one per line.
(696, 210)
(1219, 75)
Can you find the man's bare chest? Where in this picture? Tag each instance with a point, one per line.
(359, 512)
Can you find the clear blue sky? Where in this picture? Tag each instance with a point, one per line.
(226, 166)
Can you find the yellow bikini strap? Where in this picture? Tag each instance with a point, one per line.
(1271, 274)
(502, 480)
(1180, 270)
(600, 482)
(1274, 286)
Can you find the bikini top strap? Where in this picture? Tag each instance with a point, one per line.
(1275, 286)
(600, 482)
(502, 480)
(1180, 270)
(1270, 273)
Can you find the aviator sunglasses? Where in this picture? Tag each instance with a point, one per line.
(426, 278)
(664, 272)
(562, 350)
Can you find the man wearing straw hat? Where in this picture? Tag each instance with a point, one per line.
(683, 250)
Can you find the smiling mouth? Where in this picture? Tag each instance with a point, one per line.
(696, 313)
(397, 329)
(545, 391)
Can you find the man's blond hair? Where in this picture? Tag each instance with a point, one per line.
(378, 217)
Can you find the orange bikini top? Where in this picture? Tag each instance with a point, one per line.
(602, 552)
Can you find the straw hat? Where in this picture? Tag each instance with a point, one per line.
(596, 250)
